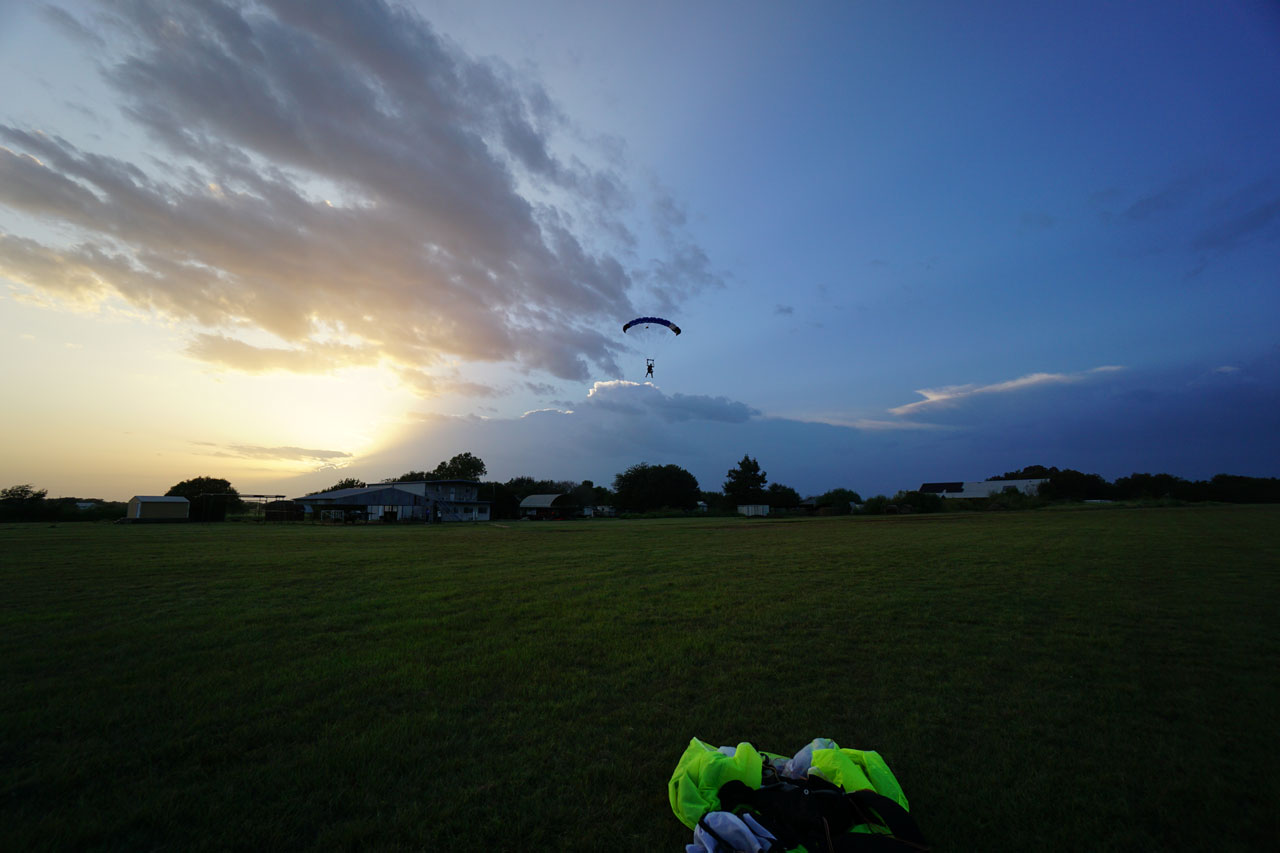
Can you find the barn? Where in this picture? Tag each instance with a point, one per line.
(157, 508)
(421, 500)
(548, 507)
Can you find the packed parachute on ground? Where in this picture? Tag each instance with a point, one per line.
(823, 798)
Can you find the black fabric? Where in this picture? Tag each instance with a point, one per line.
(891, 815)
(819, 815)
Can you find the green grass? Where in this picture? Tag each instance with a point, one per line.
(1104, 680)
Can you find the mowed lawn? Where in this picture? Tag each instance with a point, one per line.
(1051, 680)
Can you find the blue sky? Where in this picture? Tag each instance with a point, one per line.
(905, 241)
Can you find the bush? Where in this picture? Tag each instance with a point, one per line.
(918, 502)
(877, 505)
(1011, 498)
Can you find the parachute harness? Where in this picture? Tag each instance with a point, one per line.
(650, 335)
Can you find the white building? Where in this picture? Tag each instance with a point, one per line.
(982, 489)
(157, 508)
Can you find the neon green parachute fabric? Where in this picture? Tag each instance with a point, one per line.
(700, 773)
(703, 769)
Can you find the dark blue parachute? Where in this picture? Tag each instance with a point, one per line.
(651, 321)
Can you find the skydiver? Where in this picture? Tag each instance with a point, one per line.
(648, 373)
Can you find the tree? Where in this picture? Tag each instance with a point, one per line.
(914, 501)
(1064, 484)
(745, 483)
(782, 497)
(23, 503)
(1152, 486)
(504, 503)
(211, 497)
(346, 483)
(22, 493)
(463, 466)
(1072, 485)
(1237, 489)
(877, 505)
(837, 501)
(524, 485)
(1031, 472)
(644, 487)
(584, 494)
(714, 501)
(409, 477)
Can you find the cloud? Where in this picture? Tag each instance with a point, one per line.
(72, 27)
(1241, 227)
(541, 388)
(646, 399)
(327, 458)
(344, 172)
(1135, 421)
(429, 385)
(237, 355)
(874, 424)
(953, 394)
(1171, 196)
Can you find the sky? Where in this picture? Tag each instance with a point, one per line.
(289, 242)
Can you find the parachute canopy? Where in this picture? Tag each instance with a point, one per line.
(648, 322)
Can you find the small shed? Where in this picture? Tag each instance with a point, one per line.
(157, 508)
(548, 507)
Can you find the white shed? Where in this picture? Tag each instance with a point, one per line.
(158, 508)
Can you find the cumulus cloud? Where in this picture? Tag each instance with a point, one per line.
(341, 172)
(647, 399)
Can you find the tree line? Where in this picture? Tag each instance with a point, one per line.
(1066, 484)
(641, 488)
(646, 488)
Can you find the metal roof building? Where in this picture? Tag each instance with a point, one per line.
(548, 506)
(424, 500)
(157, 508)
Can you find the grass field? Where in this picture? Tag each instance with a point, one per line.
(1053, 680)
